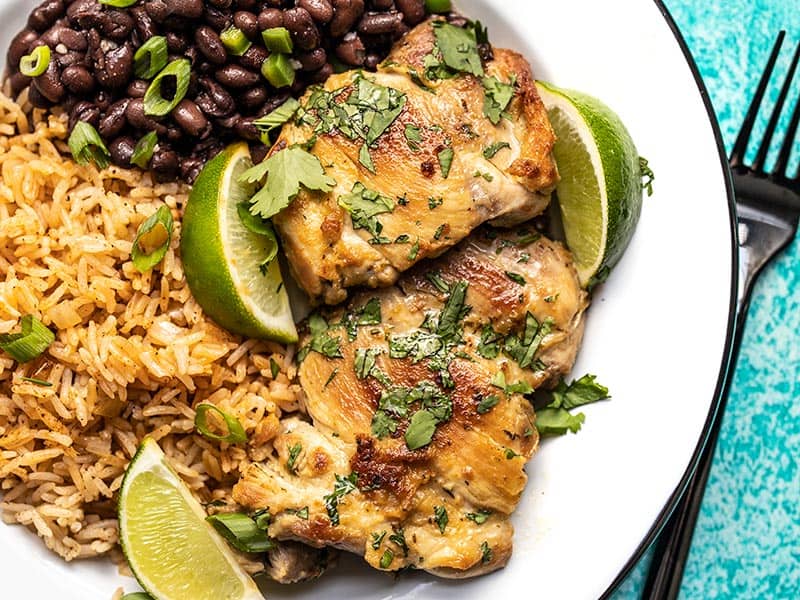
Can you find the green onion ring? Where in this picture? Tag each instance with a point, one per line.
(235, 41)
(150, 57)
(278, 40)
(152, 240)
(143, 151)
(86, 145)
(236, 434)
(33, 339)
(154, 103)
(35, 63)
(241, 532)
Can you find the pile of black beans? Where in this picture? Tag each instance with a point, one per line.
(91, 73)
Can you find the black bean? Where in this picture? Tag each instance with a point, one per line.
(372, 61)
(247, 4)
(49, 83)
(351, 51)
(174, 133)
(176, 41)
(320, 10)
(237, 77)
(221, 102)
(142, 22)
(157, 9)
(44, 15)
(300, 24)
(382, 4)
(254, 57)
(258, 153)
(244, 128)
(320, 75)
(218, 19)
(253, 98)
(373, 23)
(18, 82)
(85, 13)
(210, 45)
(189, 117)
(36, 98)
(114, 120)
(191, 9)
(413, 10)
(136, 116)
(164, 161)
(228, 122)
(73, 40)
(247, 22)
(311, 61)
(190, 168)
(137, 88)
(116, 24)
(223, 4)
(270, 18)
(115, 68)
(102, 100)
(78, 79)
(20, 46)
(345, 15)
(121, 150)
(84, 111)
(68, 58)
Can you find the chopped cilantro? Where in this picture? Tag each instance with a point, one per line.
(365, 158)
(262, 518)
(479, 517)
(402, 200)
(321, 340)
(301, 513)
(342, 487)
(435, 202)
(413, 137)
(516, 278)
(487, 403)
(441, 518)
(420, 430)
(523, 349)
(414, 251)
(551, 298)
(364, 364)
(288, 170)
(294, 452)
(458, 48)
(488, 347)
(486, 553)
(526, 237)
(364, 205)
(487, 176)
(520, 387)
(511, 454)
(490, 151)
(399, 538)
(377, 539)
(496, 98)
(581, 391)
(369, 314)
(403, 238)
(439, 230)
(276, 118)
(445, 161)
(383, 424)
(435, 277)
(557, 421)
(524, 257)
(331, 377)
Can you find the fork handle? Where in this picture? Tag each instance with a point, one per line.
(670, 553)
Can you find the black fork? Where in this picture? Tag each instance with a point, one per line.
(768, 207)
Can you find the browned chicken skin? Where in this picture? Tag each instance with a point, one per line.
(359, 477)
(328, 253)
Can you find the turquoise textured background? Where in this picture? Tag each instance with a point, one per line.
(747, 541)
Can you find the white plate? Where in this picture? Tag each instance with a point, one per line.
(656, 332)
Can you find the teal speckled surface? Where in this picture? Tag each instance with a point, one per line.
(747, 541)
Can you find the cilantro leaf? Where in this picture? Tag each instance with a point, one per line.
(294, 452)
(420, 430)
(479, 517)
(487, 403)
(458, 47)
(445, 161)
(490, 151)
(496, 98)
(369, 314)
(488, 347)
(581, 391)
(441, 518)
(413, 137)
(523, 349)
(557, 421)
(286, 171)
(321, 340)
(383, 424)
(276, 118)
(342, 487)
(364, 362)
(515, 277)
(364, 205)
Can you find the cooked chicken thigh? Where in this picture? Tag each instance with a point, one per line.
(419, 437)
(438, 168)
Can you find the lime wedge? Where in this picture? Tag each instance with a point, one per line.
(600, 192)
(171, 549)
(228, 265)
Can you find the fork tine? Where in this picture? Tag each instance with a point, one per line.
(786, 148)
(740, 146)
(763, 150)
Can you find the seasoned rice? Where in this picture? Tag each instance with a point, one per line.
(133, 355)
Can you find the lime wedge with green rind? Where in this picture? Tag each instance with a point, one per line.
(227, 263)
(600, 192)
(171, 549)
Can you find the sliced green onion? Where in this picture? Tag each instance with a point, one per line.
(236, 434)
(152, 240)
(241, 532)
(278, 70)
(235, 41)
(151, 57)
(33, 339)
(86, 145)
(276, 118)
(119, 4)
(35, 63)
(277, 40)
(143, 151)
(437, 6)
(262, 518)
(154, 101)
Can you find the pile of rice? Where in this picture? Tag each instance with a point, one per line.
(133, 355)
